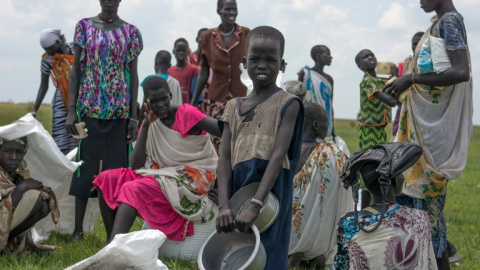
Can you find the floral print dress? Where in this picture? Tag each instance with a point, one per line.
(104, 63)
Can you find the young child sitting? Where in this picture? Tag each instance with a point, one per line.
(185, 73)
(172, 170)
(319, 200)
(261, 143)
(375, 108)
(384, 235)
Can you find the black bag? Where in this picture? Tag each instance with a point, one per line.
(393, 158)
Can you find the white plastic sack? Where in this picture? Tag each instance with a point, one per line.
(440, 59)
(342, 145)
(135, 250)
(424, 61)
(48, 164)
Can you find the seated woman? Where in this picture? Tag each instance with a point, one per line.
(384, 235)
(23, 202)
(319, 199)
(172, 170)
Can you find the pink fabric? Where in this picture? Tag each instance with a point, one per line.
(145, 195)
(186, 118)
(400, 69)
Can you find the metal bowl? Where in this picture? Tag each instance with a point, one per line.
(268, 212)
(233, 251)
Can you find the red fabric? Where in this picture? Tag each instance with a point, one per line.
(145, 195)
(192, 59)
(400, 69)
(186, 118)
(187, 77)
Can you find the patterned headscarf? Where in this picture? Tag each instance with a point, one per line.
(48, 37)
(23, 141)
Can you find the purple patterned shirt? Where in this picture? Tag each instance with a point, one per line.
(104, 64)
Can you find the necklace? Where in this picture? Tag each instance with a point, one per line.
(229, 33)
(108, 20)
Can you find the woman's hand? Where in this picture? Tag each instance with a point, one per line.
(150, 116)
(397, 87)
(71, 120)
(213, 195)
(132, 131)
(29, 184)
(245, 219)
(225, 220)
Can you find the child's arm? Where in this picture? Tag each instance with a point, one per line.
(210, 125)
(245, 219)
(138, 156)
(201, 81)
(386, 98)
(225, 218)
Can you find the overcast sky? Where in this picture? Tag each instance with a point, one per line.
(346, 26)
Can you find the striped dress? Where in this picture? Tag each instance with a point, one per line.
(62, 138)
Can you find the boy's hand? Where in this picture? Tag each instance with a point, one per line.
(149, 114)
(225, 220)
(245, 219)
(29, 184)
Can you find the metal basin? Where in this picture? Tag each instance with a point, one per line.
(268, 212)
(233, 251)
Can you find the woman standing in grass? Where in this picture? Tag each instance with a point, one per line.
(103, 94)
(57, 63)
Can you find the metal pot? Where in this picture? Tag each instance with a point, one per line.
(268, 212)
(233, 251)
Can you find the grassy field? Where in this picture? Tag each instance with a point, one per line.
(462, 211)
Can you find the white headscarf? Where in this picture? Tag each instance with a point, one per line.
(48, 37)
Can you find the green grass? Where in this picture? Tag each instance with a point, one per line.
(462, 210)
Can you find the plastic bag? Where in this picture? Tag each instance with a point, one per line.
(440, 59)
(135, 250)
(424, 62)
(342, 145)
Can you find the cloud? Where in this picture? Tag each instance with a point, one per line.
(345, 27)
(395, 17)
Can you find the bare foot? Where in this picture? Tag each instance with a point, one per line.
(77, 236)
(294, 260)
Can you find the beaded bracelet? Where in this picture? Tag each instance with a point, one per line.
(257, 202)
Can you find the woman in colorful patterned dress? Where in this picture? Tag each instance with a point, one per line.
(103, 92)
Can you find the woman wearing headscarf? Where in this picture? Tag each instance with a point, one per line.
(103, 95)
(57, 63)
(23, 201)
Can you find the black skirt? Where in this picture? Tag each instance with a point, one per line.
(105, 148)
